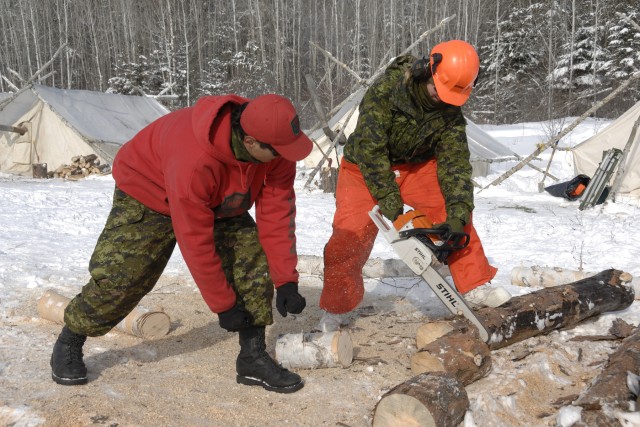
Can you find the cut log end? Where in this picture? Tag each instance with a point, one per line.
(429, 332)
(315, 350)
(402, 410)
(429, 399)
(342, 347)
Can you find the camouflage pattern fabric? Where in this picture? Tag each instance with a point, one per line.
(132, 252)
(395, 127)
(245, 265)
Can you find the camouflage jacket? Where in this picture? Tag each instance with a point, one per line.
(393, 128)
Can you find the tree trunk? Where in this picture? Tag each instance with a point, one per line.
(431, 399)
(558, 307)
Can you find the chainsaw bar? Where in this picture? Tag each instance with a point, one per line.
(419, 258)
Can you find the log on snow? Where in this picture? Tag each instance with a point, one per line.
(553, 308)
(430, 399)
(315, 350)
(457, 352)
(141, 322)
(609, 390)
(545, 277)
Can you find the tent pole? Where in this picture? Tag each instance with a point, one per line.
(568, 129)
(617, 182)
(546, 172)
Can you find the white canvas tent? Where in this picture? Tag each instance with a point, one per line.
(588, 154)
(62, 124)
(483, 147)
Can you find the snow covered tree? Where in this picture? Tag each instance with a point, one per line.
(623, 43)
(582, 66)
(511, 68)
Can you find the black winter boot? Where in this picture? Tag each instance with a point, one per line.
(67, 367)
(255, 367)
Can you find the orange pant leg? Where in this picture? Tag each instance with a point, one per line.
(350, 244)
(420, 189)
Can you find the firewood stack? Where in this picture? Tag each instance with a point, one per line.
(80, 167)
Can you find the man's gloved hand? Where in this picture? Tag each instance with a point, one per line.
(235, 318)
(453, 225)
(391, 205)
(289, 300)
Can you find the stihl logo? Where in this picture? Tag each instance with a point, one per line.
(447, 294)
(419, 252)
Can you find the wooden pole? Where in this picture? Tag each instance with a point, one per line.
(14, 129)
(568, 129)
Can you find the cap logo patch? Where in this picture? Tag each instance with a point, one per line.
(295, 125)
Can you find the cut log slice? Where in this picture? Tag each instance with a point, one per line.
(434, 399)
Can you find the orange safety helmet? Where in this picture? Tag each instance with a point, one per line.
(454, 67)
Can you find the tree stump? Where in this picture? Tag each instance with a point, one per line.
(434, 399)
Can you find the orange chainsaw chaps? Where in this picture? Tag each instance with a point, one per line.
(344, 257)
(350, 244)
(354, 235)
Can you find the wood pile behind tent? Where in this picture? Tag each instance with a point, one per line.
(80, 167)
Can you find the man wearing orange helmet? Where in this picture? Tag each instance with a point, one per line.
(409, 147)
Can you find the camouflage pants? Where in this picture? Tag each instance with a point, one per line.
(132, 252)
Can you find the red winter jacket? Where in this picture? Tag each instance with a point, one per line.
(175, 166)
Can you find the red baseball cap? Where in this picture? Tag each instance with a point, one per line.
(272, 119)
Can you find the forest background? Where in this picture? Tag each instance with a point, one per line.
(539, 60)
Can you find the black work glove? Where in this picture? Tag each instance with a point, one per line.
(453, 225)
(235, 318)
(289, 300)
(391, 205)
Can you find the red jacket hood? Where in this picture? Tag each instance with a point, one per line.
(182, 166)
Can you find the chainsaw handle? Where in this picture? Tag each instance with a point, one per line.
(451, 240)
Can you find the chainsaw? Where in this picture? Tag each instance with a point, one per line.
(419, 245)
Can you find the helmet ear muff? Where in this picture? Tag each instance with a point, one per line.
(436, 58)
(421, 70)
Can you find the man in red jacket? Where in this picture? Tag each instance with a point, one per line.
(191, 177)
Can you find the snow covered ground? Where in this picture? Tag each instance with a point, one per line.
(48, 229)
